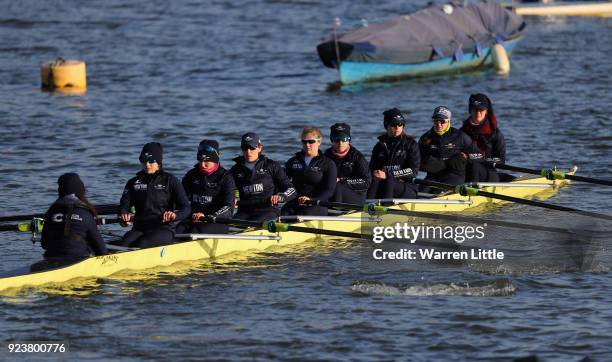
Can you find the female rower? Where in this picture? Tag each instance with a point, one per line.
(395, 160)
(481, 126)
(210, 188)
(445, 150)
(158, 198)
(262, 183)
(353, 174)
(313, 174)
(70, 231)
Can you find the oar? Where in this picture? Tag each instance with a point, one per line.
(466, 190)
(372, 208)
(101, 209)
(37, 224)
(274, 227)
(552, 174)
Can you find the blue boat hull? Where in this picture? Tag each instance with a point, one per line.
(356, 72)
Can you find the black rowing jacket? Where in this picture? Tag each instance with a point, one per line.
(255, 188)
(78, 237)
(316, 180)
(211, 195)
(442, 154)
(493, 145)
(398, 156)
(152, 195)
(353, 169)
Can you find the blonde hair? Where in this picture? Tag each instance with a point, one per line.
(310, 129)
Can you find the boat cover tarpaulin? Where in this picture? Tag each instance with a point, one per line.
(434, 32)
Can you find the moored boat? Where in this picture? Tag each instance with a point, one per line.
(257, 240)
(438, 39)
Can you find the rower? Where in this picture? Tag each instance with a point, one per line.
(481, 126)
(313, 175)
(395, 160)
(210, 188)
(445, 150)
(70, 230)
(353, 173)
(158, 198)
(261, 182)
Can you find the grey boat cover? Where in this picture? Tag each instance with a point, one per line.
(440, 30)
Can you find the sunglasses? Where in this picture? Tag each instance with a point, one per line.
(442, 121)
(396, 125)
(342, 139)
(144, 159)
(247, 147)
(311, 141)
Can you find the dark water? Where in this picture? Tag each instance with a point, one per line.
(177, 72)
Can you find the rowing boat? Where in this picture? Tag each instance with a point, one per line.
(256, 240)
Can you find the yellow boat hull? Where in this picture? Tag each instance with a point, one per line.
(103, 266)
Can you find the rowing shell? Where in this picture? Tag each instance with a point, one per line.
(257, 240)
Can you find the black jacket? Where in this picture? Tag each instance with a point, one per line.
(77, 238)
(211, 195)
(316, 180)
(442, 154)
(399, 156)
(152, 195)
(493, 145)
(255, 188)
(353, 169)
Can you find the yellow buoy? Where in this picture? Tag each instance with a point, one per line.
(500, 59)
(63, 74)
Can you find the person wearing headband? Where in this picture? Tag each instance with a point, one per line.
(262, 183)
(313, 174)
(210, 188)
(158, 199)
(445, 150)
(482, 127)
(395, 160)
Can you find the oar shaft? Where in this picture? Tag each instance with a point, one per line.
(559, 175)
(101, 209)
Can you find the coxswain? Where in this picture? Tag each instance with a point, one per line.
(395, 160)
(445, 150)
(159, 201)
(482, 128)
(261, 182)
(70, 231)
(353, 177)
(210, 189)
(313, 174)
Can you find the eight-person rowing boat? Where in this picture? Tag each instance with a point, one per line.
(164, 211)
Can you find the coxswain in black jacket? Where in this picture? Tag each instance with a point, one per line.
(395, 161)
(159, 201)
(445, 151)
(315, 180)
(70, 229)
(482, 128)
(211, 191)
(354, 176)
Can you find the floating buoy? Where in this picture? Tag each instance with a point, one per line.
(64, 75)
(500, 59)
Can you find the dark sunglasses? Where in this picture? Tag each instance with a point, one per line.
(396, 125)
(247, 147)
(144, 159)
(343, 139)
(440, 121)
(311, 141)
